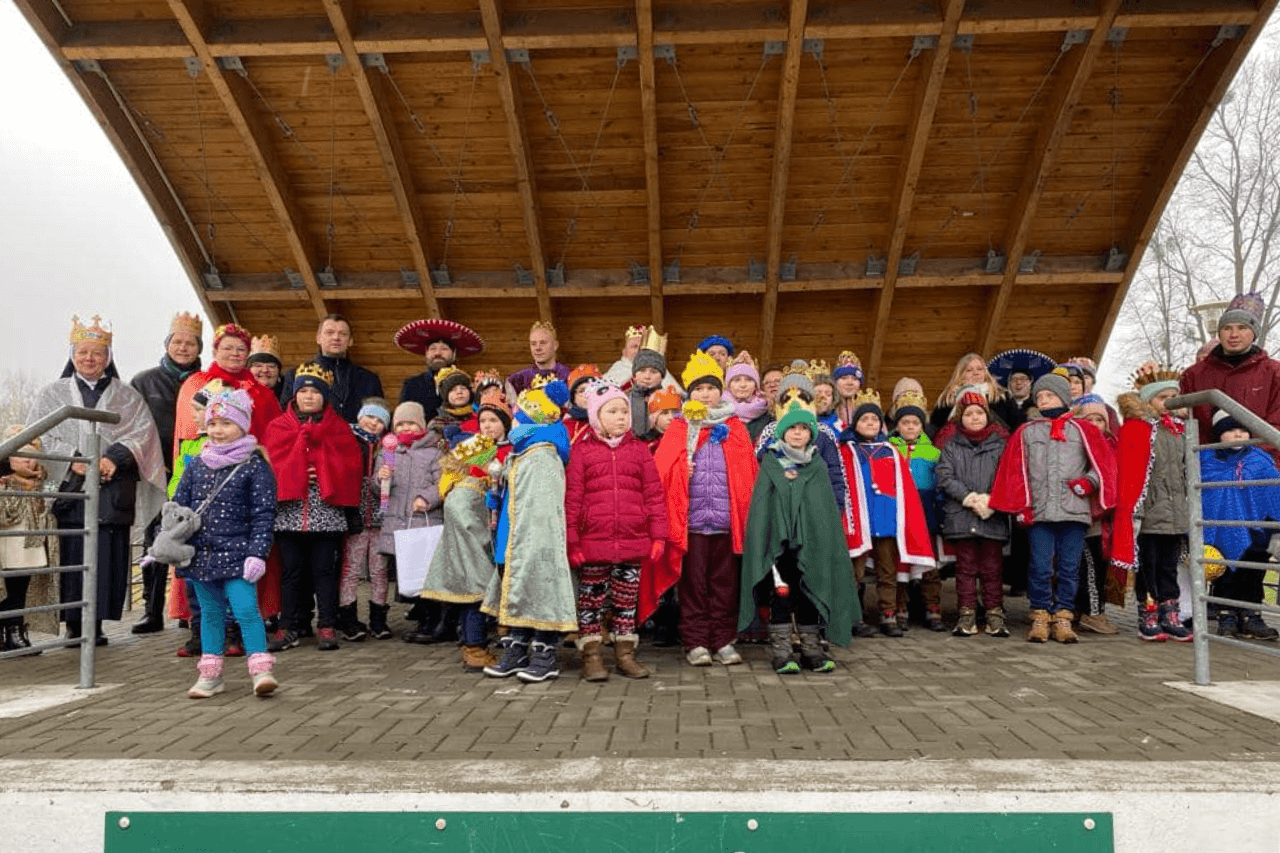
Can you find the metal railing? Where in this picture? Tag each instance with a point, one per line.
(88, 604)
(1263, 434)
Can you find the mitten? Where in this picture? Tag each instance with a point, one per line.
(254, 569)
(577, 558)
(657, 549)
(1082, 486)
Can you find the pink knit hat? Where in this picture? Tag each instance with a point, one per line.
(599, 393)
(235, 406)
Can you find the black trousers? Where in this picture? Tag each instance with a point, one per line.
(310, 567)
(113, 572)
(1158, 556)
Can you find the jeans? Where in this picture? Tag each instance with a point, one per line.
(1054, 545)
(214, 597)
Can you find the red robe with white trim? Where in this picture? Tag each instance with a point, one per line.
(1133, 458)
(890, 476)
(1011, 491)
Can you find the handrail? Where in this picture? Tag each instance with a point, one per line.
(1258, 428)
(51, 420)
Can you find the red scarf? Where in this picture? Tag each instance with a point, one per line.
(407, 439)
(327, 446)
(985, 432)
(1058, 431)
(1172, 425)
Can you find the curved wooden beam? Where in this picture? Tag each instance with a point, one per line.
(652, 175)
(373, 98)
(908, 176)
(786, 126)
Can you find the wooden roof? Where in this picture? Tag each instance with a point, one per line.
(907, 180)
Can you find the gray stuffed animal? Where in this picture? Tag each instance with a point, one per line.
(177, 525)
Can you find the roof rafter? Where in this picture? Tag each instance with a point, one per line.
(237, 101)
(374, 100)
(652, 175)
(908, 176)
(1078, 66)
(786, 125)
(518, 140)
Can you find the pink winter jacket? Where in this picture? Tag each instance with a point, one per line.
(613, 504)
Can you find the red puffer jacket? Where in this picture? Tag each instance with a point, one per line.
(613, 504)
(1254, 382)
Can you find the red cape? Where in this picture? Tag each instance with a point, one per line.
(891, 475)
(266, 408)
(672, 459)
(1011, 491)
(329, 446)
(1133, 459)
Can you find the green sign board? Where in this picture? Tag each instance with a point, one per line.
(610, 832)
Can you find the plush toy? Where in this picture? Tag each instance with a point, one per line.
(177, 525)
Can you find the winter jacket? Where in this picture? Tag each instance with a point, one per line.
(614, 505)
(1164, 507)
(416, 475)
(1034, 480)
(1254, 383)
(923, 457)
(421, 389)
(966, 466)
(709, 491)
(159, 389)
(238, 522)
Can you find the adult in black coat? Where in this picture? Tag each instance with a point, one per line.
(440, 342)
(159, 388)
(351, 382)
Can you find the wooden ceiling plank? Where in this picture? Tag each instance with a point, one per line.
(1060, 110)
(517, 138)
(652, 180)
(783, 140)
(236, 99)
(909, 176)
(373, 98)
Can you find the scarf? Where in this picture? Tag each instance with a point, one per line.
(459, 412)
(577, 413)
(1058, 430)
(1172, 424)
(715, 419)
(751, 408)
(789, 456)
(217, 456)
(364, 435)
(180, 371)
(983, 434)
(407, 439)
(612, 442)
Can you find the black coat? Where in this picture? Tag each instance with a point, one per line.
(159, 388)
(351, 385)
(1010, 413)
(963, 467)
(421, 389)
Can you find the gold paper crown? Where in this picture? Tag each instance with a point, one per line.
(847, 358)
(801, 369)
(92, 334)
(790, 396)
(700, 365)
(185, 322)
(867, 396)
(744, 357)
(486, 379)
(1153, 372)
(445, 372)
(476, 450)
(546, 327)
(540, 381)
(817, 367)
(908, 398)
(316, 372)
(654, 341)
(264, 345)
(636, 332)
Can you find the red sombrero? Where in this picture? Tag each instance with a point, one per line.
(415, 337)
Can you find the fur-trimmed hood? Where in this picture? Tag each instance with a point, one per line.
(1132, 406)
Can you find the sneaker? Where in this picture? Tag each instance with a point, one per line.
(699, 657)
(1229, 625)
(191, 649)
(967, 624)
(824, 665)
(728, 655)
(1149, 625)
(282, 640)
(515, 657)
(205, 688)
(904, 622)
(354, 632)
(996, 626)
(264, 684)
(786, 667)
(889, 626)
(1253, 628)
(1098, 624)
(328, 639)
(542, 664)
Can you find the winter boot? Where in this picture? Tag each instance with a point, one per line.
(210, 682)
(784, 657)
(1229, 623)
(233, 646)
(624, 656)
(1062, 627)
(1039, 630)
(15, 638)
(378, 621)
(995, 622)
(350, 627)
(1149, 624)
(326, 640)
(264, 681)
(476, 658)
(515, 657)
(933, 621)
(889, 625)
(967, 624)
(1253, 628)
(542, 663)
(811, 654)
(592, 650)
(192, 648)
(1170, 622)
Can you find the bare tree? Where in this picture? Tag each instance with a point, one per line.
(18, 390)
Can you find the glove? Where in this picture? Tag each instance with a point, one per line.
(657, 550)
(969, 501)
(1082, 486)
(577, 558)
(254, 569)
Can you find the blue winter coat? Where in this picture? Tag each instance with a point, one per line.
(237, 525)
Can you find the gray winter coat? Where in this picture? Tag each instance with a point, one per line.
(1164, 506)
(966, 466)
(1051, 465)
(416, 475)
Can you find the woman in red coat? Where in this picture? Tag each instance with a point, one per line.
(616, 515)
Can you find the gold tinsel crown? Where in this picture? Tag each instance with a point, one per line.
(847, 358)
(186, 322)
(909, 398)
(476, 450)
(817, 367)
(867, 396)
(81, 333)
(636, 332)
(486, 379)
(445, 372)
(316, 371)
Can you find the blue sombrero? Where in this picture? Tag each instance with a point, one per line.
(1034, 364)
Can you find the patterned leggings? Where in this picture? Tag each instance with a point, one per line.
(361, 551)
(621, 583)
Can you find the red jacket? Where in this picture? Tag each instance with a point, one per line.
(1254, 382)
(613, 501)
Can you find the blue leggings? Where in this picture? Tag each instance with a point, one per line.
(214, 596)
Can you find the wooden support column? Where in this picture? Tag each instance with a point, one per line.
(652, 176)
(1195, 108)
(519, 143)
(237, 100)
(908, 176)
(1076, 68)
(373, 97)
(782, 142)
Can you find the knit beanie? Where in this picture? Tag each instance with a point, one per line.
(795, 378)
(410, 412)
(500, 411)
(1092, 404)
(581, 374)
(311, 375)
(1247, 309)
(649, 358)
(1056, 384)
(1151, 389)
(868, 401)
(716, 341)
(599, 394)
(448, 378)
(1223, 422)
(375, 408)
(798, 413)
(972, 395)
(742, 368)
(236, 406)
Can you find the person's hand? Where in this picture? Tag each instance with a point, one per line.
(970, 500)
(982, 507)
(254, 569)
(419, 505)
(493, 520)
(630, 347)
(1082, 487)
(657, 549)
(577, 558)
(80, 468)
(384, 473)
(106, 468)
(1026, 518)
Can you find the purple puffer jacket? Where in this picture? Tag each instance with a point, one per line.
(709, 491)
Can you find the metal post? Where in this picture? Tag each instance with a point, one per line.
(1195, 557)
(89, 615)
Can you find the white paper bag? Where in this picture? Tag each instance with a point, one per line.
(415, 546)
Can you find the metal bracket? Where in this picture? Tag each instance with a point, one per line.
(327, 277)
(1116, 36)
(295, 278)
(876, 267)
(87, 66)
(440, 277)
(555, 275)
(755, 270)
(1227, 32)
(639, 274)
(409, 279)
(334, 61)
(1115, 260)
(665, 51)
(813, 47)
(1029, 261)
(963, 43)
(994, 262)
(212, 279)
(1074, 37)
(518, 55)
(232, 63)
(787, 269)
(775, 48)
(627, 53)
(671, 273)
(907, 265)
(524, 277)
(478, 58)
(193, 65)
(922, 43)
(375, 60)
